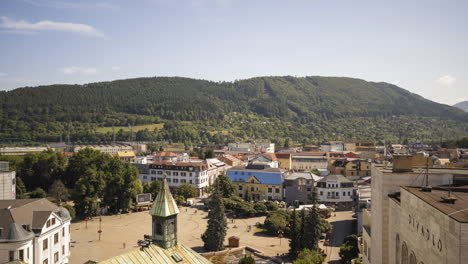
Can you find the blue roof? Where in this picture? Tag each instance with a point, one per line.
(263, 176)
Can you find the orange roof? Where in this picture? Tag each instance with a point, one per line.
(166, 154)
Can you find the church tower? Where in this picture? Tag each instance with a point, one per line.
(164, 218)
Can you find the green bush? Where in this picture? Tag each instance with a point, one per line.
(38, 193)
(349, 250)
(276, 221)
(271, 206)
(308, 256)
(180, 200)
(247, 260)
(260, 208)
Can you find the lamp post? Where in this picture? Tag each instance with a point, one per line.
(280, 235)
(100, 230)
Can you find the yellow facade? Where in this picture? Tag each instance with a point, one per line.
(258, 191)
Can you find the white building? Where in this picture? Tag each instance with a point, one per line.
(215, 168)
(34, 231)
(385, 182)
(109, 149)
(194, 173)
(309, 161)
(252, 147)
(7, 182)
(336, 189)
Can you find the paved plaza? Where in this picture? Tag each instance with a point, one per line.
(121, 232)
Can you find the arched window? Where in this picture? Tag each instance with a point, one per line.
(397, 249)
(404, 254)
(412, 258)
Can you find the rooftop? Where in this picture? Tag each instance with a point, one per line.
(457, 211)
(335, 177)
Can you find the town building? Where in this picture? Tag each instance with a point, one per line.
(336, 190)
(166, 156)
(162, 246)
(126, 156)
(109, 149)
(21, 151)
(194, 173)
(351, 169)
(298, 187)
(215, 168)
(7, 182)
(284, 160)
(268, 159)
(230, 160)
(252, 147)
(309, 161)
(257, 182)
(34, 231)
(387, 181)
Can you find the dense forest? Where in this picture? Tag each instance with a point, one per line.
(305, 110)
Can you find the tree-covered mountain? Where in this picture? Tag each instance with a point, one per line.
(462, 105)
(308, 109)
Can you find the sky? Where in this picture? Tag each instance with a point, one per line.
(419, 45)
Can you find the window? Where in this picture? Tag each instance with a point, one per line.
(1, 231)
(145, 177)
(56, 257)
(45, 261)
(349, 193)
(321, 193)
(190, 181)
(11, 255)
(48, 223)
(270, 190)
(240, 187)
(252, 189)
(344, 193)
(277, 190)
(63, 250)
(337, 194)
(53, 221)
(56, 238)
(45, 244)
(27, 253)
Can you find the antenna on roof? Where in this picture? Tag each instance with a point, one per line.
(426, 187)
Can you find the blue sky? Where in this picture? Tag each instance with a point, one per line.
(418, 45)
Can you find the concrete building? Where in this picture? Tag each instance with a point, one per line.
(215, 168)
(425, 227)
(268, 159)
(298, 186)
(230, 160)
(351, 169)
(336, 190)
(309, 161)
(284, 160)
(21, 151)
(34, 231)
(252, 147)
(387, 181)
(258, 182)
(109, 149)
(7, 182)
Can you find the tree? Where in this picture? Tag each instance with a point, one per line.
(38, 193)
(294, 236)
(215, 233)
(349, 249)
(187, 190)
(312, 229)
(152, 187)
(276, 221)
(20, 189)
(58, 191)
(80, 162)
(86, 192)
(180, 200)
(308, 256)
(71, 210)
(41, 169)
(224, 185)
(271, 206)
(260, 208)
(247, 260)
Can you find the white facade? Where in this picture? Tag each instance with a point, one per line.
(34, 237)
(335, 189)
(7, 185)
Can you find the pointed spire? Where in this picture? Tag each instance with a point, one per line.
(164, 204)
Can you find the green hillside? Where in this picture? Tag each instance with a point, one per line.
(462, 105)
(309, 109)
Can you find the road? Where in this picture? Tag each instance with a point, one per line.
(342, 225)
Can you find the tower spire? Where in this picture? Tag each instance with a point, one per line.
(164, 217)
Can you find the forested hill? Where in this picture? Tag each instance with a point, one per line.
(308, 109)
(462, 105)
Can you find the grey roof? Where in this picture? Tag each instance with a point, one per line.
(28, 212)
(335, 177)
(63, 213)
(40, 218)
(295, 175)
(11, 231)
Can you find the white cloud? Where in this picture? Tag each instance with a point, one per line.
(27, 27)
(446, 80)
(3, 74)
(115, 68)
(462, 99)
(79, 70)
